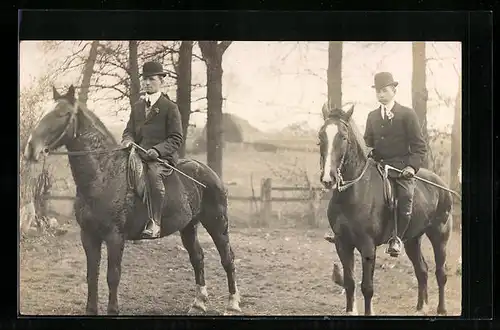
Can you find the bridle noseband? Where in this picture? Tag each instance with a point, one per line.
(342, 184)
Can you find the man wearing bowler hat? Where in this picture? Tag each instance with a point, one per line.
(155, 125)
(394, 133)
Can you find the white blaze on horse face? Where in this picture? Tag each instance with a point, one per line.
(330, 130)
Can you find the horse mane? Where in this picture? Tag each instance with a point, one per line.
(358, 137)
(92, 117)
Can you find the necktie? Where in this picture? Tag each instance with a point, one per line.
(148, 105)
(387, 113)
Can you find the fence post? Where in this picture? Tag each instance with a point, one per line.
(265, 200)
(312, 207)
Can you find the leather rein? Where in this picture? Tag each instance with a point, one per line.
(342, 184)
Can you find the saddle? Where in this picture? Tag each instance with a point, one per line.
(136, 175)
(388, 188)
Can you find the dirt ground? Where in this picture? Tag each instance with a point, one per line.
(279, 271)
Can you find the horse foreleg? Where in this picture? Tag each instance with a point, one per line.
(115, 244)
(190, 241)
(414, 252)
(345, 251)
(368, 253)
(221, 241)
(92, 246)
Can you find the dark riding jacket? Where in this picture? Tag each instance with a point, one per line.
(161, 130)
(398, 142)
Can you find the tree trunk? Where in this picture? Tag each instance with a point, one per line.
(456, 140)
(133, 67)
(334, 73)
(88, 70)
(212, 53)
(419, 90)
(183, 70)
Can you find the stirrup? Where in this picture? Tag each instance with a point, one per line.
(398, 242)
(153, 232)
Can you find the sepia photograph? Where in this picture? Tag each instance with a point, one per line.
(240, 178)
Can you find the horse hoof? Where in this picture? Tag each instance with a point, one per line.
(424, 310)
(113, 311)
(197, 310)
(442, 312)
(232, 311)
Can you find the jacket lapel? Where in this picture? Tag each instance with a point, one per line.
(152, 111)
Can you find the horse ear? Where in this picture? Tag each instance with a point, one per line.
(325, 111)
(55, 93)
(70, 94)
(349, 112)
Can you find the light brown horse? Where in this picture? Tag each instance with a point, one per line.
(359, 214)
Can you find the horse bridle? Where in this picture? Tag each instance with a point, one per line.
(342, 185)
(73, 120)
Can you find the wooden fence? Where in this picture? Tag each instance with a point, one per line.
(262, 205)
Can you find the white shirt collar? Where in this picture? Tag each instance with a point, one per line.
(389, 107)
(153, 97)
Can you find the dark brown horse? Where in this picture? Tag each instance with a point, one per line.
(360, 215)
(108, 207)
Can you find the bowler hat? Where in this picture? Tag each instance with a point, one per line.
(153, 69)
(383, 79)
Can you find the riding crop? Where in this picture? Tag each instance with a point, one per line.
(170, 166)
(389, 167)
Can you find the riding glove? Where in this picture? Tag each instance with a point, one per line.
(408, 172)
(127, 143)
(152, 154)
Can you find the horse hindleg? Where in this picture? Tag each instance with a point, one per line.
(92, 247)
(414, 252)
(345, 251)
(190, 241)
(368, 253)
(115, 244)
(439, 238)
(221, 241)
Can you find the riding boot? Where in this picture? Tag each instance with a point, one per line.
(157, 195)
(395, 242)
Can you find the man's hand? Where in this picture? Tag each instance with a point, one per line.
(127, 143)
(152, 154)
(408, 172)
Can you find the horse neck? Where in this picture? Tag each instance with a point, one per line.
(89, 169)
(355, 161)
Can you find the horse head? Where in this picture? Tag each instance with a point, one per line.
(333, 141)
(55, 128)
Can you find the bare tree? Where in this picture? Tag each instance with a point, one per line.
(212, 52)
(419, 89)
(88, 70)
(334, 73)
(133, 71)
(184, 77)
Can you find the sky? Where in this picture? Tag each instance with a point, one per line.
(275, 84)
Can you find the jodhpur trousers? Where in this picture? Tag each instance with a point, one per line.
(405, 189)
